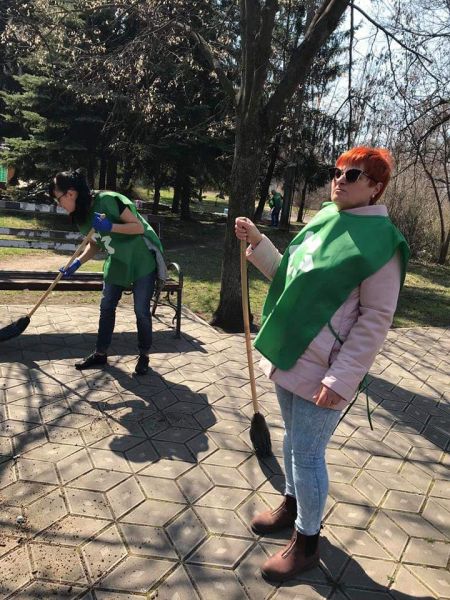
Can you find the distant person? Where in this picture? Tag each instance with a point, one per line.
(275, 203)
(134, 258)
(329, 308)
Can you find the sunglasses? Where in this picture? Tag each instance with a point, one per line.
(351, 175)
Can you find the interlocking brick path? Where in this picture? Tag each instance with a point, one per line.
(144, 487)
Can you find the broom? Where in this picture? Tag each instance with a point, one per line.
(259, 432)
(15, 329)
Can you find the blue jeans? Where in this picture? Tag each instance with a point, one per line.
(308, 429)
(275, 216)
(142, 295)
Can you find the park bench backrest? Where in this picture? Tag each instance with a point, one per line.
(47, 239)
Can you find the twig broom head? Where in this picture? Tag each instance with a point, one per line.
(260, 436)
(15, 329)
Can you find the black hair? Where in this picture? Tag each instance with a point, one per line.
(74, 180)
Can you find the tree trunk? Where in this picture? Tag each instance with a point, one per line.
(301, 208)
(185, 213)
(126, 177)
(102, 174)
(111, 174)
(91, 166)
(288, 195)
(156, 194)
(177, 189)
(268, 178)
(257, 122)
(244, 177)
(443, 251)
(444, 241)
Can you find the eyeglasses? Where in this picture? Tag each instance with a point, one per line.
(56, 199)
(351, 175)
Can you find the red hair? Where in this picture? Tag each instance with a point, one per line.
(376, 162)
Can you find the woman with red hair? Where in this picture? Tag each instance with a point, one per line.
(331, 302)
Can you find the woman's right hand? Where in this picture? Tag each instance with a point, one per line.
(247, 230)
(69, 271)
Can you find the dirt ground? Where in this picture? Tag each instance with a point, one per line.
(44, 262)
(34, 262)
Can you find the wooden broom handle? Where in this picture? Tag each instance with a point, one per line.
(248, 339)
(77, 253)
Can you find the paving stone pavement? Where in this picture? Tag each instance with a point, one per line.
(118, 488)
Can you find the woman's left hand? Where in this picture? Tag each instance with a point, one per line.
(326, 397)
(101, 224)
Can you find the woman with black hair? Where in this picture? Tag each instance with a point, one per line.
(134, 258)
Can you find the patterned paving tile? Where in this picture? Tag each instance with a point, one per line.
(195, 484)
(36, 470)
(250, 575)
(57, 563)
(40, 590)
(368, 573)
(159, 488)
(389, 534)
(222, 497)
(72, 530)
(436, 514)
(108, 459)
(350, 514)
(215, 583)
(177, 585)
(23, 493)
(186, 532)
(45, 511)
(153, 512)
(437, 580)
(360, 543)
(103, 552)
(219, 521)
(145, 540)
(425, 552)
(220, 552)
(136, 574)
(131, 488)
(16, 571)
(87, 503)
(98, 480)
(74, 465)
(169, 469)
(406, 583)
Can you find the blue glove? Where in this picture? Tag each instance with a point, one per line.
(103, 225)
(70, 270)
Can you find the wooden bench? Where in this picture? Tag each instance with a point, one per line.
(11, 237)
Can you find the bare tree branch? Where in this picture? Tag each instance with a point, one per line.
(250, 21)
(214, 63)
(441, 102)
(433, 127)
(390, 34)
(264, 49)
(350, 68)
(321, 27)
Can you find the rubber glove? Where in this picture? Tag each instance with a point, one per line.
(101, 223)
(70, 270)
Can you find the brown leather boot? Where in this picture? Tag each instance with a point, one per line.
(301, 554)
(271, 521)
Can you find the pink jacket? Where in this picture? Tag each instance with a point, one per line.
(362, 321)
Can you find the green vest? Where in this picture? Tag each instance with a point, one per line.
(276, 200)
(328, 259)
(129, 257)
